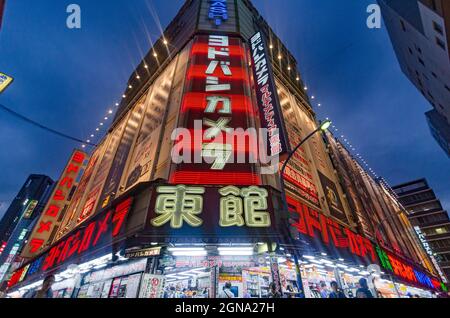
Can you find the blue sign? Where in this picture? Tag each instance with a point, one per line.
(218, 11)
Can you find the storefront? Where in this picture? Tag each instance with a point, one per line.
(139, 247)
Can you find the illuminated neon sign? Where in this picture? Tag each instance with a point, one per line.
(402, 270)
(55, 206)
(97, 233)
(314, 224)
(267, 96)
(218, 11)
(216, 105)
(430, 253)
(238, 207)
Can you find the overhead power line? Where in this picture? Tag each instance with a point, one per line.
(43, 127)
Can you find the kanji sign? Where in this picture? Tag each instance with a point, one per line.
(327, 235)
(189, 212)
(103, 229)
(49, 221)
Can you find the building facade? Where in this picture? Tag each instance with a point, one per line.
(420, 33)
(428, 217)
(32, 190)
(183, 194)
(19, 219)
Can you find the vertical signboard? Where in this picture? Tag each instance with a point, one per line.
(142, 158)
(332, 197)
(216, 103)
(51, 216)
(71, 216)
(102, 173)
(115, 173)
(267, 97)
(299, 173)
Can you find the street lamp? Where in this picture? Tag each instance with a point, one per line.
(322, 128)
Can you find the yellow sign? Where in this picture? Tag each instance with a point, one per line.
(5, 80)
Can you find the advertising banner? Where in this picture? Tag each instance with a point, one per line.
(70, 219)
(267, 97)
(332, 197)
(101, 173)
(142, 159)
(215, 114)
(112, 182)
(152, 286)
(50, 218)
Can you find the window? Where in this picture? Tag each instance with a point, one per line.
(421, 61)
(434, 74)
(440, 43)
(410, 51)
(431, 96)
(403, 25)
(447, 88)
(438, 28)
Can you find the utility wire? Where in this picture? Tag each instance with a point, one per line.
(48, 129)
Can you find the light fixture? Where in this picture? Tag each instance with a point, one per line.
(101, 124)
(124, 96)
(97, 129)
(106, 118)
(146, 66)
(289, 68)
(165, 42)
(313, 97)
(155, 54)
(324, 126)
(280, 57)
(305, 88)
(271, 46)
(130, 87)
(88, 141)
(235, 251)
(83, 146)
(297, 78)
(110, 111)
(324, 254)
(92, 136)
(138, 77)
(117, 104)
(308, 257)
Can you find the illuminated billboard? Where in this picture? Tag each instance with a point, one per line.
(50, 219)
(216, 110)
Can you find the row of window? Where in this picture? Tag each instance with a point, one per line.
(440, 244)
(432, 218)
(437, 230)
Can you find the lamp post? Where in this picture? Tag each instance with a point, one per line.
(322, 128)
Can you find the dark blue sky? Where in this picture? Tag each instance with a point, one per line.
(69, 79)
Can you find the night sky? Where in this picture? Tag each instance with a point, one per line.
(68, 79)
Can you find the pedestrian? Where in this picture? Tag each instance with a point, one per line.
(273, 291)
(363, 291)
(336, 292)
(45, 291)
(226, 292)
(323, 290)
